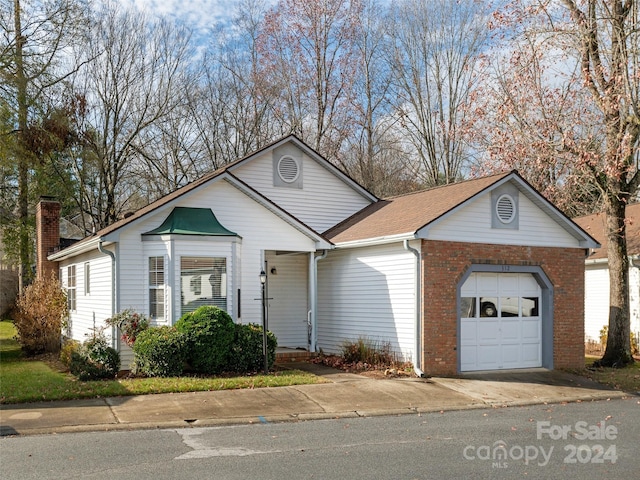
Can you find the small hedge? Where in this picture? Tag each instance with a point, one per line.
(205, 341)
(209, 334)
(246, 352)
(94, 360)
(160, 352)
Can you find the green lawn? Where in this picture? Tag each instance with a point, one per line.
(30, 380)
(626, 379)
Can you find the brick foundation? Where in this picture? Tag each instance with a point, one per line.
(444, 264)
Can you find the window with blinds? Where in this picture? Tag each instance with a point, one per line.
(203, 281)
(156, 288)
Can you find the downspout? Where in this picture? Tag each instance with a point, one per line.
(114, 337)
(313, 347)
(416, 356)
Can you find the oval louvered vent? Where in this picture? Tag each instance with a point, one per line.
(506, 208)
(288, 169)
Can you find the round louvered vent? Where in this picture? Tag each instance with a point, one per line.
(288, 169)
(506, 208)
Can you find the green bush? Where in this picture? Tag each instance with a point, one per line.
(159, 352)
(209, 333)
(69, 346)
(95, 359)
(40, 314)
(246, 351)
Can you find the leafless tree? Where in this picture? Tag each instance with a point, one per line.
(434, 60)
(132, 87)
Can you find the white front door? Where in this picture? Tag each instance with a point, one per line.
(500, 322)
(287, 281)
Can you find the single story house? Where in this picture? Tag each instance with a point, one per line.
(596, 299)
(480, 275)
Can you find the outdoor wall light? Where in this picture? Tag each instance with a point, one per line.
(263, 277)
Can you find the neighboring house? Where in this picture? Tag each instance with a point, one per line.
(597, 273)
(485, 274)
(8, 282)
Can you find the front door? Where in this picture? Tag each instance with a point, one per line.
(287, 284)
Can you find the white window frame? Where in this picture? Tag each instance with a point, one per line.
(72, 280)
(155, 286)
(87, 278)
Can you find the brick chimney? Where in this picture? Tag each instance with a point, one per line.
(47, 235)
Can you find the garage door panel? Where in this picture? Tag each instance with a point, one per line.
(531, 355)
(468, 357)
(508, 284)
(488, 357)
(508, 335)
(487, 284)
(531, 329)
(510, 330)
(510, 356)
(488, 331)
(468, 332)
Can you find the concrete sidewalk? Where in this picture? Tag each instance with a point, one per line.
(346, 395)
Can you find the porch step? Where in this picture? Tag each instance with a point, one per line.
(286, 355)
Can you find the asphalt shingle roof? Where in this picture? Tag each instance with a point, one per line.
(595, 226)
(407, 213)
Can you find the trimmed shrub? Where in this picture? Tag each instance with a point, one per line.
(159, 352)
(95, 359)
(40, 314)
(209, 333)
(246, 352)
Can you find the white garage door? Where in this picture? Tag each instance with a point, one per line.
(500, 323)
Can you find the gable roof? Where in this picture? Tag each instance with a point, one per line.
(411, 215)
(406, 214)
(109, 233)
(595, 226)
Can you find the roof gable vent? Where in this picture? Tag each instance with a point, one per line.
(288, 169)
(505, 208)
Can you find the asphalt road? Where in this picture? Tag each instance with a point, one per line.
(571, 441)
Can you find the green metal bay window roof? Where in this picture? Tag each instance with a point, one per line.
(191, 221)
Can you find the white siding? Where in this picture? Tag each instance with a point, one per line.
(367, 292)
(258, 228)
(472, 223)
(596, 300)
(323, 201)
(288, 294)
(94, 307)
(634, 300)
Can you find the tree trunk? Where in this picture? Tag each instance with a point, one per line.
(618, 349)
(23, 169)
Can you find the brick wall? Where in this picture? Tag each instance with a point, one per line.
(444, 264)
(47, 235)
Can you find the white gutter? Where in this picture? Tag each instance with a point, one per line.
(418, 323)
(314, 300)
(78, 247)
(377, 240)
(634, 261)
(114, 336)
